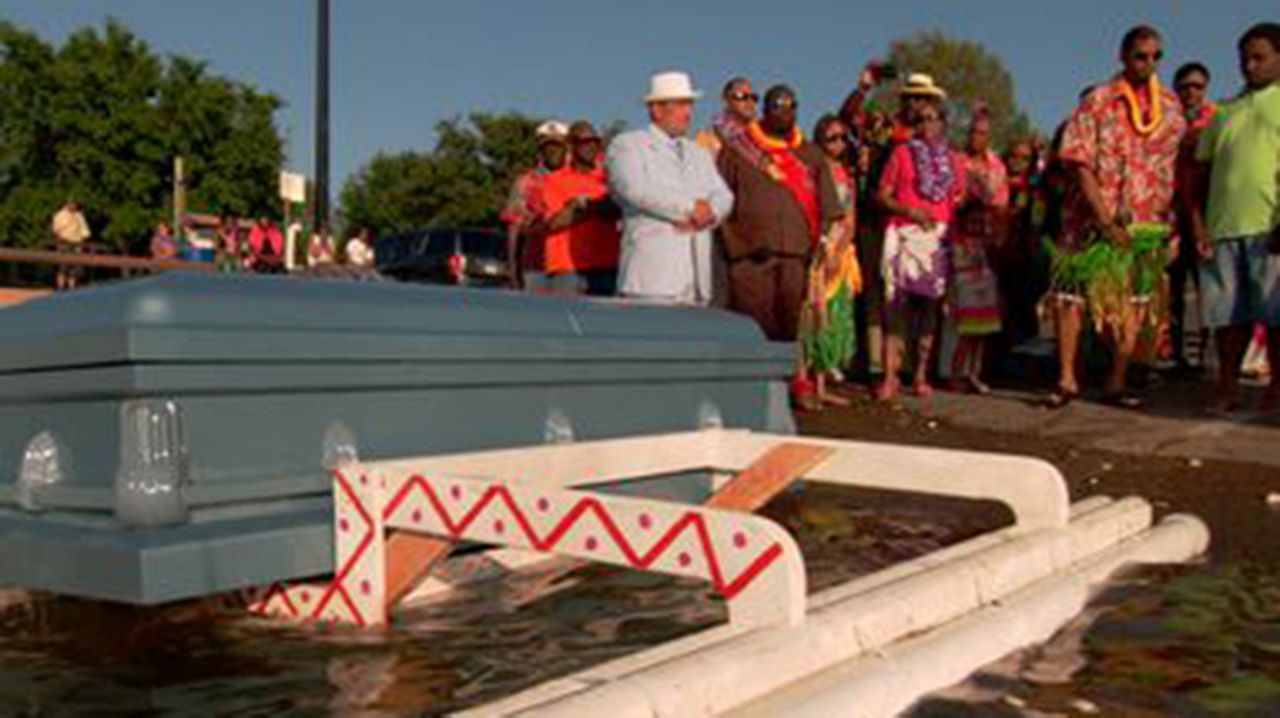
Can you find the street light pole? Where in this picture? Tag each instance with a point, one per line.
(321, 219)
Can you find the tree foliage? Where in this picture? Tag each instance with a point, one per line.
(101, 118)
(463, 180)
(971, 75)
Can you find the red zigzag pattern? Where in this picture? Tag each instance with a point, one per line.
(691, 520)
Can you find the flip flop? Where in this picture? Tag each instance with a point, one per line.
(978, 386)
(1060, 398)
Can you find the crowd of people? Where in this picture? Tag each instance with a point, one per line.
(867, 241)
(232, 244)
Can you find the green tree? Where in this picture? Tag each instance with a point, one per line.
(971, 75)
(463, 180)
(100, 120)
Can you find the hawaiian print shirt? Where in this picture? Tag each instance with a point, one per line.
(1135, 173)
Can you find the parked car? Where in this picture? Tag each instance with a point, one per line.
(461, 256)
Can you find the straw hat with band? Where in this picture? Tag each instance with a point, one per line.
(919, 84)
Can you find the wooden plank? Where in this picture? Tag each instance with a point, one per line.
(10, 296)
(768, 476)
(410, 557)
(86, 259)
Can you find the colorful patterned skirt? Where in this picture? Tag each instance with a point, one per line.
(828, 336)
(974, 290)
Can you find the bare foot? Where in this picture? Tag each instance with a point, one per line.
(834, 399)
(887, 391)
(922, 389)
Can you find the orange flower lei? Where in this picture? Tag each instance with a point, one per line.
(1135, 113)
(763, 139)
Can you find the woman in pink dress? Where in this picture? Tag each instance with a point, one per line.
(920, 187)
(975, 295)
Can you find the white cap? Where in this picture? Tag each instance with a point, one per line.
(671, 86)
(552, 130)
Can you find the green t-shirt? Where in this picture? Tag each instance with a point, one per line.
(1243, 143)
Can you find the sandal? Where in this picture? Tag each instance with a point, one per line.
(978, 386)
(1060, 398)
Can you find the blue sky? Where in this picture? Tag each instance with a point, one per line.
(401, 65)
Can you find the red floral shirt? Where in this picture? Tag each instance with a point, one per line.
(1135, 173)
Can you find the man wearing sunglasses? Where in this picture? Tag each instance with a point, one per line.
(1238, 235)
(581, 220)
(1191, 82)
(524, 207)
(729, 126)
(784, 203)
(1119, 146)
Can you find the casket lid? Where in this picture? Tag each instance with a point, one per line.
(194, 318)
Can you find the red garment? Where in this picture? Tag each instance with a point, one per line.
(524, 204)
(794, 175)
(590, 244)
(988, 182)
(901, 132)
(900, 178)
(1186, 162)
(266, 244)
(1135, 173)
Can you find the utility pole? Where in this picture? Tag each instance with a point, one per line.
(321, 219)
(179, 194)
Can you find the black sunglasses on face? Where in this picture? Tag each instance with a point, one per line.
(1157, 56)
(783, 103)
(1192, 86)
(744, 96)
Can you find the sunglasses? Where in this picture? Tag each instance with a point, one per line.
(1192, 86)
(744, 96)
(783, 103)
(1157, 56)
(586, 140)
(832, 139)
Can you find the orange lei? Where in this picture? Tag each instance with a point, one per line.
(764, 140)
(1135, 113)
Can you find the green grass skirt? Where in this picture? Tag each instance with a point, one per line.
(832, 347)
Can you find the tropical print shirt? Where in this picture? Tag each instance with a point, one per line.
(1135, 172)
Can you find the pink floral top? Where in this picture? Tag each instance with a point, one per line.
(900, 178)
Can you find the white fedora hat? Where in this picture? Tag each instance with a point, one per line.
(671, 86)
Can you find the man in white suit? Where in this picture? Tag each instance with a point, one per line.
(671, 198)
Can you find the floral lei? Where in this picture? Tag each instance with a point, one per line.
(1135, 111)
(935, 171)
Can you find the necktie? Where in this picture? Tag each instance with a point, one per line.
(678, 148)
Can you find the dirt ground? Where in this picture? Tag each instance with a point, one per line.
(1230, 495)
